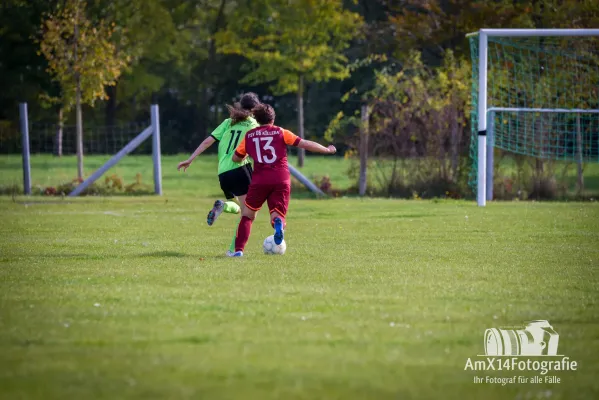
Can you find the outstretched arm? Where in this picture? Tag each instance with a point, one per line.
(316, 148)
(201, 148)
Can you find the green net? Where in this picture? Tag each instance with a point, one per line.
(550, 86)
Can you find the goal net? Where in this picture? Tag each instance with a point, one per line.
(535, 93)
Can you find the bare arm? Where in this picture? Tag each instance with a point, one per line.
(201, 148)
(316, 148)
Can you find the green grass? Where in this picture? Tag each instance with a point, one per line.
(200, 178)
(386, 299)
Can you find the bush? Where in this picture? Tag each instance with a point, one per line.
(412, 178)
(527, 178)
(112, 185)
(10, 190)
(322, 182)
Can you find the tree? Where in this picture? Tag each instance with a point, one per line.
(417, 121)
(81, 58)
(22, 75)
(144, 47)
(175, 62)
(437, 25)
(291, 43)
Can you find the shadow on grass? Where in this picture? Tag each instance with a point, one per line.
(100, 257)
(191, 340)
(73, 256)
(166, 253)
(176, 254)
(388, 216)
(204, 339)
(56, 200)
(96, 256)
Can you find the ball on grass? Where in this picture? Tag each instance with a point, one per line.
(270, 247)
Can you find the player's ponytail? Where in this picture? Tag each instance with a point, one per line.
(238, 114)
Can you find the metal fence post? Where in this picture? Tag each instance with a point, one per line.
(156, 149)
(25, 145)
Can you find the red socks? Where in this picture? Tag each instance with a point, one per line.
(243, 233)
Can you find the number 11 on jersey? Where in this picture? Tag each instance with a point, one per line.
(231, 141)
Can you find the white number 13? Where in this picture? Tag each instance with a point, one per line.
(266, 146)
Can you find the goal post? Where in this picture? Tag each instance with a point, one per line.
(534, 92)
(153, 130)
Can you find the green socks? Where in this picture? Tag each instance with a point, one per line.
(231, 207)
(232, 247)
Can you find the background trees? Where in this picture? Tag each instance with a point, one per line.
(291, 44)
(312, 59)
(82, 58)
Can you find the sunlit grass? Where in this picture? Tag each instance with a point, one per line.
(133, 298)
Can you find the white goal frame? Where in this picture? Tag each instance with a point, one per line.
(485, 171)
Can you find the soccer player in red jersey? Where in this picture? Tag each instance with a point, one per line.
(271, 182)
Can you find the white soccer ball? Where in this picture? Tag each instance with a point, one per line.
(270, 247)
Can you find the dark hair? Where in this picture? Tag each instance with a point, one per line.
(243, 110)
(249, 100)
(264, 114)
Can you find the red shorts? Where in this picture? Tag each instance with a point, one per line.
(275, 194)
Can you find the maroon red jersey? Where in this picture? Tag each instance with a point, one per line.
(267, 145)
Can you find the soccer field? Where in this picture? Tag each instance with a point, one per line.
(114, 298)
(387, 299)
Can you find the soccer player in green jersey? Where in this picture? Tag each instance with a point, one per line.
(234, 177)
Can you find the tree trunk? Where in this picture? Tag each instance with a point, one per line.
(110, 117)
(59, 132)
(363, 183)
(79, 123)
(455, 148)
(580, 181)
(300, 119)
(204, 118)
(539, 168)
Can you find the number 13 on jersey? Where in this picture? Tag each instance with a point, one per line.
(263, 144)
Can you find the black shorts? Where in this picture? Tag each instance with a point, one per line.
(236, 182)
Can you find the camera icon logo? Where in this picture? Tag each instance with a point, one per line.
(538, 338)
